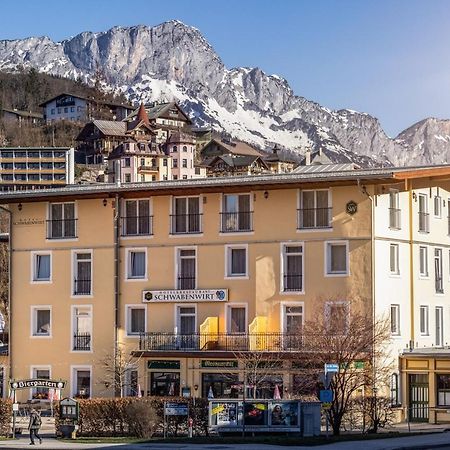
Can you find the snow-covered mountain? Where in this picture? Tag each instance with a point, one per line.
(174, 61)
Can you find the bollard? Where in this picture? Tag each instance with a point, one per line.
(190, 426)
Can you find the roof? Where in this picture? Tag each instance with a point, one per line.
(315, 168)
(279, 156)
(50, 149)
(234, 148)
(82, 97)
(219, 184)
(157, 110)
(150, 149)
(111, 127)
(180, 137)
(20, 113)
(237, 161)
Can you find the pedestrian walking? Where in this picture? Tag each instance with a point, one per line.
(34, 426)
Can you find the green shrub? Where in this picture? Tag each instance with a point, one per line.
(5, 416)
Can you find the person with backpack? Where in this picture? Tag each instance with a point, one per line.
(34, 426)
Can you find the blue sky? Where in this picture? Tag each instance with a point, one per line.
(390, 58)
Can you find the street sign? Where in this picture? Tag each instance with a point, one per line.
(331, 368)
(326, 395)
(176, 409)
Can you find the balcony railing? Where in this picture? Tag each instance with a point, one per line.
(136, 225)
(82, 287)
(292, 283)
(150, 167)
(266, 342)
(424, 222)
(314, 218)
(232, 222)
(82, 342)
(61, 228)
(185, 223)
(186, 282)
(394, 219)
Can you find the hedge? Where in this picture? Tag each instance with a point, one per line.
(5, 417)
(137, 417)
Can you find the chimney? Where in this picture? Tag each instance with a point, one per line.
(308, 157)
(117, 173)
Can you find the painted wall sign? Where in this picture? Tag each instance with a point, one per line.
(37, 382)
(29, 221)
(351, 207)
(194, 295)
(211, 364)
(163, 364)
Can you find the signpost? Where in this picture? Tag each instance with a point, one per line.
(326, 395)
(174, 409)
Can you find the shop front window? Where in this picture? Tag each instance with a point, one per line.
(165, 384)
(270, 386)
(443, 390)
(220, 385)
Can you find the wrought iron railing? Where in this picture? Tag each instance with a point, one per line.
(82, 287)
(232, 222)
(314, 218)
(292, 283)
(136, 225)
(61, 228)
(394, 218)
(185, 223)
(186, 282)
(82, 342)
(266, 342)
(424, 222)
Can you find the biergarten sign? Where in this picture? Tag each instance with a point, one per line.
(185, 295)
(37, 383)
(213, 364)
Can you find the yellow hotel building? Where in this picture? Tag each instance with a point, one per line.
(179, 275)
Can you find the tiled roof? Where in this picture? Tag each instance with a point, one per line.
(23, 113)
(111, 127)
(235, 148)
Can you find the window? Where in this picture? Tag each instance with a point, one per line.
(52, 111)
(393, 259)
(186, 326)
(142, 160)
(438, 279)
(165, 384)
(186, 218)
(62, 221)
(175, 163)
(81, 382)
(185, 177)
(236, 319)
(292, 318)
(395, 320)
(394, 211)
(66, 110)
(184, 148)
(72, 109)
(42, 374)
(423, 261)
(222, 385)
(336, 315)
(174, 149)
(236, 213)
(127, 162)
(137, 219)
(424, 219)
(82, 328)
(187, 268)
(439, 326)
(424, 321)
(394, 390)
(132, 386)
(236, 261)
(437, 204)
(165, 162)
(82, 273)
(337, 258)
(184, 163)
(127, 178)
(136, 320)
(315, 210)
(443, 389)
(41, 321)
(42, 263)
(136, 262)
(292, 268)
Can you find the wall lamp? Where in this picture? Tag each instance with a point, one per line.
(266, 194)
(19, 206)
(414, 196)
(196, 387)
(105, 202)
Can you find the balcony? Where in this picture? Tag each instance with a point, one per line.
(186, 282)
(136, 226)
(186, 223)
(82, 342)
(148, 168)
(220, 342)
(314, 218)
(61, 229)
(235, 222)
(292, 283)
(394, 219)
(424, 222)
(82, 287)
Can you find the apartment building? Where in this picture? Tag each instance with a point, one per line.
(24, 168)
(186, 273)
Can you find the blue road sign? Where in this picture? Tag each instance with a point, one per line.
(326, 395)
(331, 368)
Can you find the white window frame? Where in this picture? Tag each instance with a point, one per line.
(395, 306)
(49, 217)
(223, 211)
(426, 311)
(437, 198)
(426, 274)
(172, 213)
(283, 315)
(178, 265)
(73, 308)
(425, 212)
(33, 321)
(73, 379)
(283, 254)
(33, 278)
(327, 312)
(440, 258)
(228, 308)
(74, 272)
(176, 322)
(33, 370)
(395, 204)
(327, 259)
(396, 272)
(150, 213)
(300, 206)
(228, 262)
(128, 252)
(439, 343)
(128, 309)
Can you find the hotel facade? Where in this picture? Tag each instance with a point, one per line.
(181, 276)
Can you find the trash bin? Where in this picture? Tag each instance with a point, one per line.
(67, 430)
(310, 418)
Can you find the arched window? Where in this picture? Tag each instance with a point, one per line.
(174, 149)
(184, 148)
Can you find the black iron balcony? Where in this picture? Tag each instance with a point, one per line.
(136, 225)
(293, 283)
(424, 222)
(82, 287)
(185, 223)
(82, 342)
(394, 218)
(314, 218)
(235, 222)
(61, 229)
(186, 282)
(265, 342)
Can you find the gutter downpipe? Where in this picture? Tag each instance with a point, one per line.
(116, 286)
(411, 263)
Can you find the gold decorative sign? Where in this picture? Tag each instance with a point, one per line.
(351, 207)
(29, 221)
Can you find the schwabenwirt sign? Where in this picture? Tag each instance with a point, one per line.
(194, 295)
(37, 383)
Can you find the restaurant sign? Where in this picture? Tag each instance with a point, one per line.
(215, 364)
(36, 382)
(194, 295)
